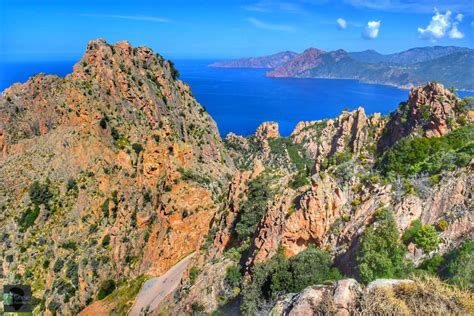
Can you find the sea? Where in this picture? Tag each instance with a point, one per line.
(240, 99)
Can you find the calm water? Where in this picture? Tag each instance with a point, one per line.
(240, 99)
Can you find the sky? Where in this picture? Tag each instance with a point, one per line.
(59, 30)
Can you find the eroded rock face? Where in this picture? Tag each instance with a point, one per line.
(350, 131)
(267, 130)
(431, 110)
(133, 166)
(338, 299)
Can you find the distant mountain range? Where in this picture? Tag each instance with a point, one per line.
(270, 61)
(450, 65)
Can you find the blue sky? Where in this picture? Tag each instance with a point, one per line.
(59, 30)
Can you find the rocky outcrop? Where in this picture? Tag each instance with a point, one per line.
(129, 166)
(430, 111)
(380, 297)
(350, 132)
(267, 130)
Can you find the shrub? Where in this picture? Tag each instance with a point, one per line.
(254, 207)
(105, 289)
(40, 193)
(312, 266)
(433, 265)
(381, 255)
(197, 308)
(193, 274)
(70, 244)
(424, 236)
(106, 240)
(414, 155)
(71, 184)
(233, 276)
(103, 122)
(442, 225)
(58, 265)
(137, 148)
(279, 275)
(174, 71)
(460, 265)
(28, 218)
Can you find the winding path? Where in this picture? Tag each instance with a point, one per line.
(156, 289)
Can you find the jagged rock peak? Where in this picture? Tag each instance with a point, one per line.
(267, 130)
(431, 109)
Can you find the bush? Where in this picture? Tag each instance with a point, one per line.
(103, 123)
(312, 266)
(58, 265)
(460, 265)
(414, 155)
(137, 148)
(233, 276)
(40, 193)
(106, 240)
(280, 275)
(381, 255)
(105, 289)
(193, 274)
(28, 218)
(71, 184)
(174, 71)
(254, 207)
(424, 236)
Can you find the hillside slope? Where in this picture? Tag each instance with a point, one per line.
(113, 175)
(108, 174)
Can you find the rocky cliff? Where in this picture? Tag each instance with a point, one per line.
(115, 173)
(110, 173)
(324, 185)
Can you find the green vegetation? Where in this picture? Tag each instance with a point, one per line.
(456, 267)
(188, 175)
(282, 275)
(253, 209)
(233, 276)
(28, 218)
(381, 255)
(336, 159)
(415, 155)
(105, 289)
(40, 193)
(124, 295)
(106, 240)
(174, 71)
(193, 274)
(296, 152)
(71, 184)
(137, 148)
(424, 236)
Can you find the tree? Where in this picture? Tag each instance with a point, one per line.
(312, 266)
(381, 255)
(424, 236)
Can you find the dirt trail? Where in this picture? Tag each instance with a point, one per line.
(156, 289)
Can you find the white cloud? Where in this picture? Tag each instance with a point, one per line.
(441, 26)
(131, 17)
(341, 23)
(270, 26)
(455, 33)
(371, 31)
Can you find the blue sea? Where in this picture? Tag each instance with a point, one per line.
(240, 99)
